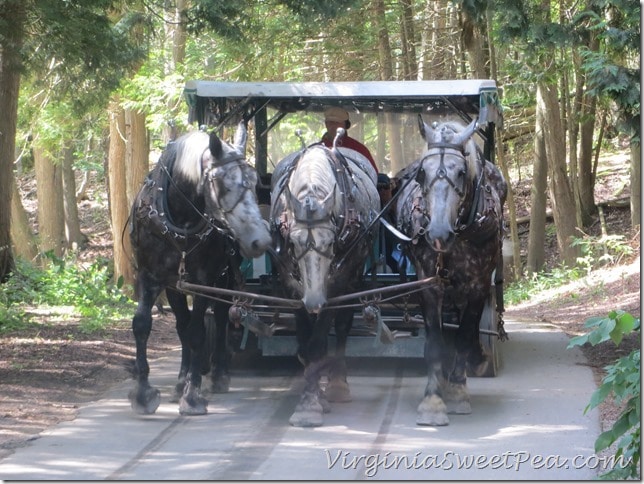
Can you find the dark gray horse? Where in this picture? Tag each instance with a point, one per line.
(322, 201)
(196, 212)
(451, 207)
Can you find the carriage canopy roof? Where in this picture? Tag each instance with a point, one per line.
(216, 103)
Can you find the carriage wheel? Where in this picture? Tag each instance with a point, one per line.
(490, 342)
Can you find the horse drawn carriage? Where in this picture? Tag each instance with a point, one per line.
(326, 281)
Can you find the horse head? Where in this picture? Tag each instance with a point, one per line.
(311, 206)
(445, 178)
(228, 186)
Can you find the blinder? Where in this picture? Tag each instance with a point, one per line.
(215, 176)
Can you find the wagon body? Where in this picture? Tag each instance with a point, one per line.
(384, 117)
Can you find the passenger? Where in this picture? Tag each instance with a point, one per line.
(388, 241)
(337, 117)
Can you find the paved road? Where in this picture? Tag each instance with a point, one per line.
(527, 423)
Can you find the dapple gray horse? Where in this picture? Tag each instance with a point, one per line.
(451, 206)
(195, 214)
(322, 201)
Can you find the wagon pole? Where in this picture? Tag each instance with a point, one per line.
(220, 291)
(380, 290)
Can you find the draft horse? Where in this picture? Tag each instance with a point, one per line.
(322, 202)
(195, 214)
(451, 206)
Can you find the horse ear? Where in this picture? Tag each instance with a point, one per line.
(216, 146)
(241, 136)
(422, 127)
(462, 137)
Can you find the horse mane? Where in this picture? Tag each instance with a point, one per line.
(189, 151)
(312, 172)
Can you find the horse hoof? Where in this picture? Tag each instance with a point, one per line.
(193, 406)
(178, 392)
(220, 384)
(324, 402)
(147, 403)
(432, 419)
(338, 391)
(459, 408)
(309, 412)
(306, 418)
(457, 399)
(432, 411)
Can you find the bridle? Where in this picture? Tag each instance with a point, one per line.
(310, 244)
(215, 177)
(441, 171)
(342, 233)
(208, 222)
(440, 175)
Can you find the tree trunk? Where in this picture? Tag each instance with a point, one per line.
(585, 176)
(473, 40)
(442, 61)
(137, 152)
(386, 74)
(24, 241)
(586, 173)
(384, 48)
(51, 209)
(538, 198)
(177, 35)
(117, 188)
(12, 17)
(636, 184)
(408, 41)
(561, 196)
(517, 270)
(73, 235)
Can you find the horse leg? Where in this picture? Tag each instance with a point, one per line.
(191, 402)
(456, 393)
(338, 388)
(309, 411)
(179, 304)
(220, 374)
(144, 399)
(432, 409)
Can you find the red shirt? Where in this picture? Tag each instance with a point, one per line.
(348, 142)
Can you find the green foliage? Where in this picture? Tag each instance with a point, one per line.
(90, 291)
(596, 252)
(74, 47)
(613, 71)
(524, 289)
(599, 251)
(622, 382)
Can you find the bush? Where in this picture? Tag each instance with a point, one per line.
(622, 381)
(90, 291)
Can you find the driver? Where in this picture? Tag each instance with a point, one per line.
(337, 117)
